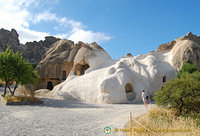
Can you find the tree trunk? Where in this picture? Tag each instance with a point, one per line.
(181, 106)
(4, 94)
(14, 89)
(10, 90)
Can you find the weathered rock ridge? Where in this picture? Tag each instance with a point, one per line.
(31, 51)
(34, 51)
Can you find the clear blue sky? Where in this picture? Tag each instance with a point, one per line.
(120, 26)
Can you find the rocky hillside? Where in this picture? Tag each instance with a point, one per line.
(32, 51)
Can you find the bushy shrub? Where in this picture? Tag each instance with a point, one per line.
(180, 94)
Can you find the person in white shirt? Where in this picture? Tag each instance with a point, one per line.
(144, 98)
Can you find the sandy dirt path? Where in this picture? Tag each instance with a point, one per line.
(65, 118)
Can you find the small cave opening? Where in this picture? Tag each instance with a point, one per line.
(164, 79)
(130, 93)
(80, 69)
(63, 75)
(50, 85)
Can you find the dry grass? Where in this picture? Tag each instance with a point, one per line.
(163, 120)
(22, 99)
(2, 83)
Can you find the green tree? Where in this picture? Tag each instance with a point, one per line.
(34, 65)
(180, 94)
(15, 70)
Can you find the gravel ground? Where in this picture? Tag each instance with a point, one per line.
(65, 118)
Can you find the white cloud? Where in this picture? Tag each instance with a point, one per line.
(61, 36)
(13, 14)
(77, 33)
(16, 14)
(45, 16)
(31, 35)
(61, 21)
(88, 36)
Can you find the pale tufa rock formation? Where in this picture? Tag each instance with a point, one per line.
(121, 81)
(116, 81)
(63, 57)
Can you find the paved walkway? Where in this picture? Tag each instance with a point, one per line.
(65, 118)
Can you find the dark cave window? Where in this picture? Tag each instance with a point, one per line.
(63, 75)
(50, 85)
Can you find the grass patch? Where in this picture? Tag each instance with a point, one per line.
(163, 122)
(22, 99)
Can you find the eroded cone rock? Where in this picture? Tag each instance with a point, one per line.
(84, 55)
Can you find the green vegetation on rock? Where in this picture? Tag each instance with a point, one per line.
(187, 69)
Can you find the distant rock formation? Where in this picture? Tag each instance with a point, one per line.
(9, 38)
(31, 51)
(34, 51)
(166, 47)
(129, 55)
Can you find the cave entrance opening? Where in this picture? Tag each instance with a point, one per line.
(164, 79)
(50, 85)
(80, 69)
(130, 93)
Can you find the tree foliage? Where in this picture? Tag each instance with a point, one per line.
(182, 94)
(187, 69)
(15, 70)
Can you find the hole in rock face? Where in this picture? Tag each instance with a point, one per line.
(130, 93)
(164, 79)
(63, 75)
(80, 69)
(50, 85)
